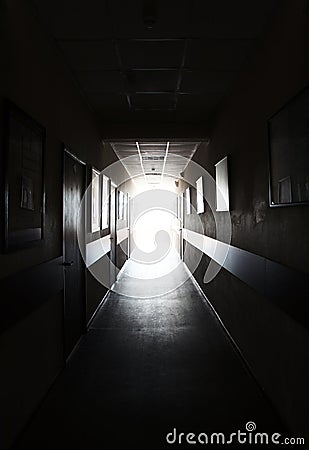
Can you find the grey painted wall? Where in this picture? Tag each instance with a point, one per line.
(33, 75)
(274, 344)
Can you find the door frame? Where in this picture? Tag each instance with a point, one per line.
(113, 230)
(83, 325)
(180, 214)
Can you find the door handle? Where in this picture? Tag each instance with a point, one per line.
(68, 263)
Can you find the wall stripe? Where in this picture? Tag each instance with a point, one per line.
(285, 287)
(25, 291)
(122, 235)
(97, 249)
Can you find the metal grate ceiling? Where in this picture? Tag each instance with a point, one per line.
(151, 159)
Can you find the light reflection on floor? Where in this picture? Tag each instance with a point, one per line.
(140, 280)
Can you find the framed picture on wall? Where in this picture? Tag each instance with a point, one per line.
(222, 185)
(199, 196)
(95, 201)
(188, 200)
(288, 136)
(105, 189)
(24, 202)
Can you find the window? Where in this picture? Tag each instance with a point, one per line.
(188, 201)
(105, 202)
(125, 206)
(199, 196)
(127, 209)
(222, 185)
(121, 205)
(95, 201)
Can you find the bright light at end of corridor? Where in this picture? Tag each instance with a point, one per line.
(149, 224)
(155, 233)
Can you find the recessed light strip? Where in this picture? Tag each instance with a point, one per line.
(164, 162)
(141, 160)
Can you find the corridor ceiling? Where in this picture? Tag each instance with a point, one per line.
(155, 60)
(153, 160)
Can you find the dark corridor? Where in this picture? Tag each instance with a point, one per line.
(154, 192)
(145, 367)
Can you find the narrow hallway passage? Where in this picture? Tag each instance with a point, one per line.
(155, 213)
(147, 366)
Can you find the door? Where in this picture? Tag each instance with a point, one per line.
(180, 223)
(174, 210)
(74, 172)
(113, 236)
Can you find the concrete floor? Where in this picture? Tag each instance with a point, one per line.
(146, 366)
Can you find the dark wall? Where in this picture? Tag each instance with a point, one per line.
(122, 253)
(95, 294)
(280, 70)
(273, 342)
(34, 77)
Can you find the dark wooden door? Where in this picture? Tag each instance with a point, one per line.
(74, 269)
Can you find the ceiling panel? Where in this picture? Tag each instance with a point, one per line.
(206, 82)
(237, 19)
(151, 54)
(154, 157)
(129, 18)
(198, 103)
(76, 19)
(110, 81)
(155, 168)
(127, 152)
(90, 55)
(124, 149)
(174, 165)
(161, 115)
(108, 103)
(217, 54)
(152, 80)
(128, 116)
(152, 148)
(185, 149)
(174, 169)
(153, 101)
(189, 58)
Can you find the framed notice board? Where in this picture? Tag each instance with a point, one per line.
(24, 202)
